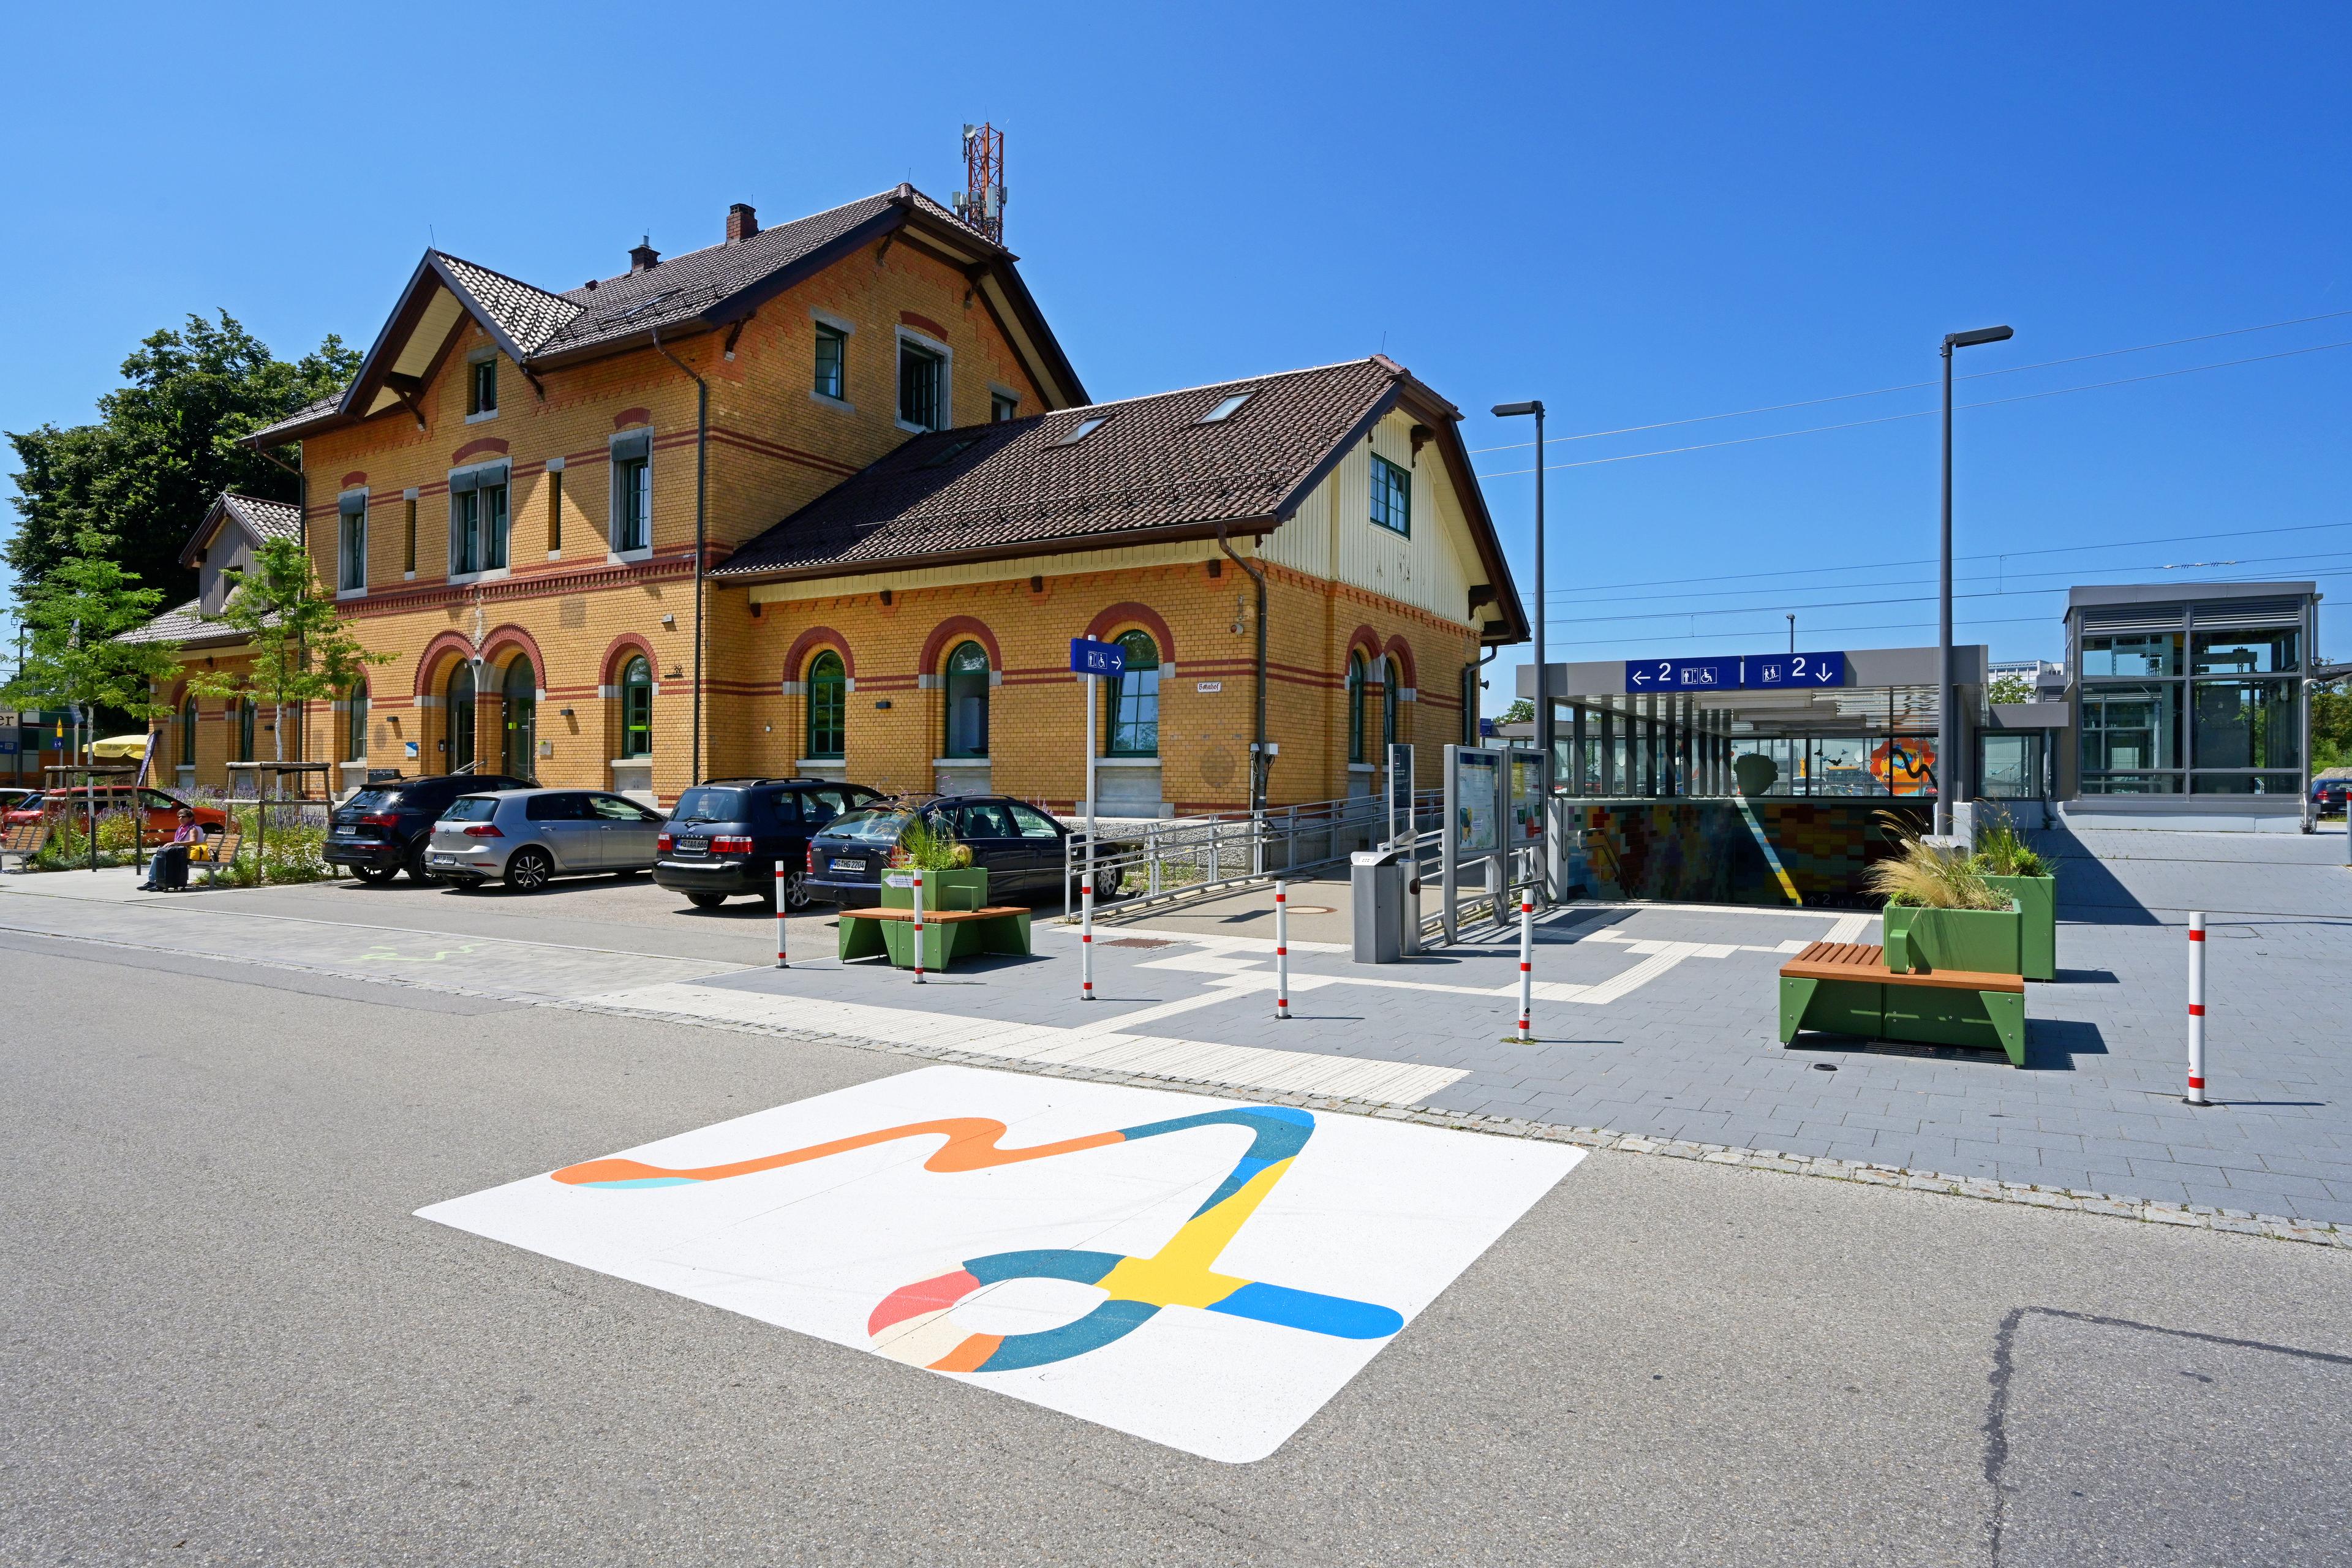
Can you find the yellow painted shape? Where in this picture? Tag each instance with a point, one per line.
(1179, 1274)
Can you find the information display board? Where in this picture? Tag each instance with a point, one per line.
(1736, 672)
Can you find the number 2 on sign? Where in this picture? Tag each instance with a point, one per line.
(1798, 672)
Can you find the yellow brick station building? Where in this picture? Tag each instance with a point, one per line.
(828, 500)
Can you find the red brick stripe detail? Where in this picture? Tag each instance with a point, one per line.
(765, 449)
(628, 417)
(1402, 651)
(428, 662)
(923, 324)
(812, 642)
(1122, 617)
(475, 449)
(510, 637)
(353, 480)
(1364, 641)
(952, 630)
(616, 655)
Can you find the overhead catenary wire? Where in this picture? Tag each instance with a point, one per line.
(1915, 385)
(1922, 413)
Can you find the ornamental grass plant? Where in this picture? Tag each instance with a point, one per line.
(1922, 876)
(2002, 853)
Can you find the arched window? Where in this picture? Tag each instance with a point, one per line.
(188, 731)
(1392, 682)
(1355, 707)
(637, 708)
(355, 727)
(246, 709)
(967, 700)
(521, 693)
(1135, 703)
(461, 717)
(828, 706)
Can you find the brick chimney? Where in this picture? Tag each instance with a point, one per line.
(642, 256)
(742, 223)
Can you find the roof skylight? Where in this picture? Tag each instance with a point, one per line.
(1225, 409)
(1083, 428)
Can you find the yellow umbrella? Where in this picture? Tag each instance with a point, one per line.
(128, 747)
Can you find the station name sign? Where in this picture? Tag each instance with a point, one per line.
(1746, 672)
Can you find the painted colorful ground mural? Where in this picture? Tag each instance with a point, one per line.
(1192, 1271)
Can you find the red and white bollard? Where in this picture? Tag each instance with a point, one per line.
(1527, 967)
(2197, 1009)
(781, 961)
(1281, 951)
(1087, 932)
(919, 928)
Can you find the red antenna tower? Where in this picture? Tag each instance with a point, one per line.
(980, 203)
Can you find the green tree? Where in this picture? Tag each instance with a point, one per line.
(1522, 711)
(2010, 688)
(302, 651)
(165, 444)
(73, 617)
(2331, 725)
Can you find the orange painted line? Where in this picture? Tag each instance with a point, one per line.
(971, 1355)
(970, 1146)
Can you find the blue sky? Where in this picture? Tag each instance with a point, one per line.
(1640, 214)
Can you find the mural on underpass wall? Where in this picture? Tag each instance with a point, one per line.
(1704, 852)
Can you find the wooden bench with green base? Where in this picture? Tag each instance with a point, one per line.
(948, 935)
(215, 850)
(1845, 988)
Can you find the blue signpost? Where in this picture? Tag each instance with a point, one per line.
(1741, 672)
(1096, 662)
(1088, 657)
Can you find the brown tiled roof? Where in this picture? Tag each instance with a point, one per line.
(1149, 467)
(184, 624)
(265, 518)
(690, 292)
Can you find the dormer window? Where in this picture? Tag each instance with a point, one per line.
(922, 387)
(1391, 496)
(1082, 429)
(482, 387)
(1225, 409)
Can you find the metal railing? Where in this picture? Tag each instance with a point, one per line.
(1194, 856)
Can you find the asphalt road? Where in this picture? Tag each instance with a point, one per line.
(228, 1341)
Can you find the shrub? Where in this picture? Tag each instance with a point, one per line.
(929, 847)
(2002, 853)
(1920, 874)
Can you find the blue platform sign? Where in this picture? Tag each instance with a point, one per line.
(1742, 672)
(1088, 657)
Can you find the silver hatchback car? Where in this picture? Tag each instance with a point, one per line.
(528, 836)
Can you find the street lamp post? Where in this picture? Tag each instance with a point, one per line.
(1543, 671)
(1947, 769)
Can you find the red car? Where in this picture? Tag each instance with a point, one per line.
(161, 811)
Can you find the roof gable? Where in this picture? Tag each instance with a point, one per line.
(259, 521)
(714, 286)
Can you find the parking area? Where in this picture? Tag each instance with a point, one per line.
(1653, 1020)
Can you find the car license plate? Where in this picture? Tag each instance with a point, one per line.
(347, 832)
(843, 863)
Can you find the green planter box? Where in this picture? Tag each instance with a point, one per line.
(964, 890)
(1989, 940)
(2037, 903)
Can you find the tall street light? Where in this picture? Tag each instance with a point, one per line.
(1948, 768)
(1543, 675)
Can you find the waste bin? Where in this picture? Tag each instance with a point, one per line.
(1387, 914)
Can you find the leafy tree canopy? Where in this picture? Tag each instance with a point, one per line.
(72, 616)
(1522, 711)
(164, 446)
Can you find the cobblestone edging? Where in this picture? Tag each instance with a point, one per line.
(2199, 1216)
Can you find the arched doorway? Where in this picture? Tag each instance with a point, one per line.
(522, 694)
(461, 718)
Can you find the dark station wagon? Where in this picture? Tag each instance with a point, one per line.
(725, 838)
(1022, 847)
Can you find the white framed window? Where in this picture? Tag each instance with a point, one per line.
(632, 532)
(478, 520)
(924, 367)
(351, 544)
(829, 358)
(1391, 496)
(1003, 404)
(482, 386)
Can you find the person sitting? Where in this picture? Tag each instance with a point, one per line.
(168, 872)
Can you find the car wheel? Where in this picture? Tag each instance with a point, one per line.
(375, 875)
(706, 901)
(796, 893)
(528, 869)
(416, 872)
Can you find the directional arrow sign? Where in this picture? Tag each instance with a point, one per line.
(1751, 672)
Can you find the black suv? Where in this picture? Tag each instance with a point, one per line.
(1023, 849)
(726, 837)
(381, 831)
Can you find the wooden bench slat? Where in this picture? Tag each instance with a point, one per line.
(1865, 963)
(934, 917)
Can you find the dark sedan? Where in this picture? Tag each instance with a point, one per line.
(1021, 848)
(726, 837)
